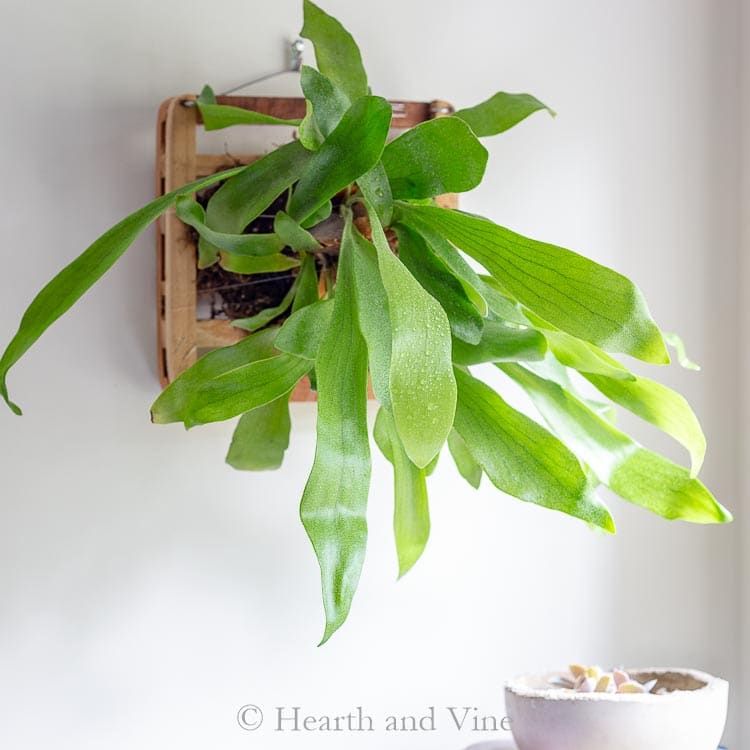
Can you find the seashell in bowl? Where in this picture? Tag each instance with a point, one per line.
(687, 711)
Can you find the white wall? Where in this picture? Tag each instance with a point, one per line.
(146, 590)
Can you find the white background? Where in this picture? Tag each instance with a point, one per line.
(147, 591)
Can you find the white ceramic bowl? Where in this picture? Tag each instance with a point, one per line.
(690, 716)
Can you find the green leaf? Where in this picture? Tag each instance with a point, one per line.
(336, 52)
(422, 385)
(328, 101)
(435, 157)
(584, 357)
(352, 149)
(500, 305)
(520, 457)
(501, 343)
(376, 189)
(242, 199)
(303, 331)
(307, 292)
(634, 473)
(293, 235)
(465, 321)
(411, 516)
(374, 316)
(500, 112)
(334, 502)
(230, 381)
(662, 407)
(206, 96)
(219, 116)
(551, 369)
(309, 132)
(248, 264)
(175, 398)
(191, 213)
(571, 292)
(244, 388)
(216, 116)
(265, 316)
(320, 214)
(467, 467)
(261, 437)
(453, 261)
(60, 294)
(679, 346)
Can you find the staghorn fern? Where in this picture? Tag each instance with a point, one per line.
(415, 321)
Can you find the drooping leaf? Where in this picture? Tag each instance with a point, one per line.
(633, 472)
(334, 502)
(453, 261)
(500, 305)
(293, 235)
(435, 157)
(422, 385)
(662, 407)
(551, 369)
(219, 116)
(374, 316)
(175, 399)
(303, 331)
(261, 437)
(465, 321)
(65, 289)
(467, 467)
(328, 101)
(376, 189)
(267, 314)
(500, 112)
(216, 116)
(229, 382)
(352, 149)
(571, 292)
(584, 357)
(520, 457)
(501, 343)
(244, 388)
(679, 346)
(191, 213)
(248, 264)
(411, 516)
(242, 199)
(336, 52)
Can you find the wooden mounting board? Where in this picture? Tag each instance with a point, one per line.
(180, 334)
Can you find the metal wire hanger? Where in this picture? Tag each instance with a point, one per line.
(296, 50)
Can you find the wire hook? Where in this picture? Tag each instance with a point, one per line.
(296, 51)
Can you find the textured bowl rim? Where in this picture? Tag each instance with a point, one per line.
(517, 686)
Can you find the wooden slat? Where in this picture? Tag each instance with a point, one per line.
(448, 200)
(211, 334)
(177, 340)
(206, 164)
